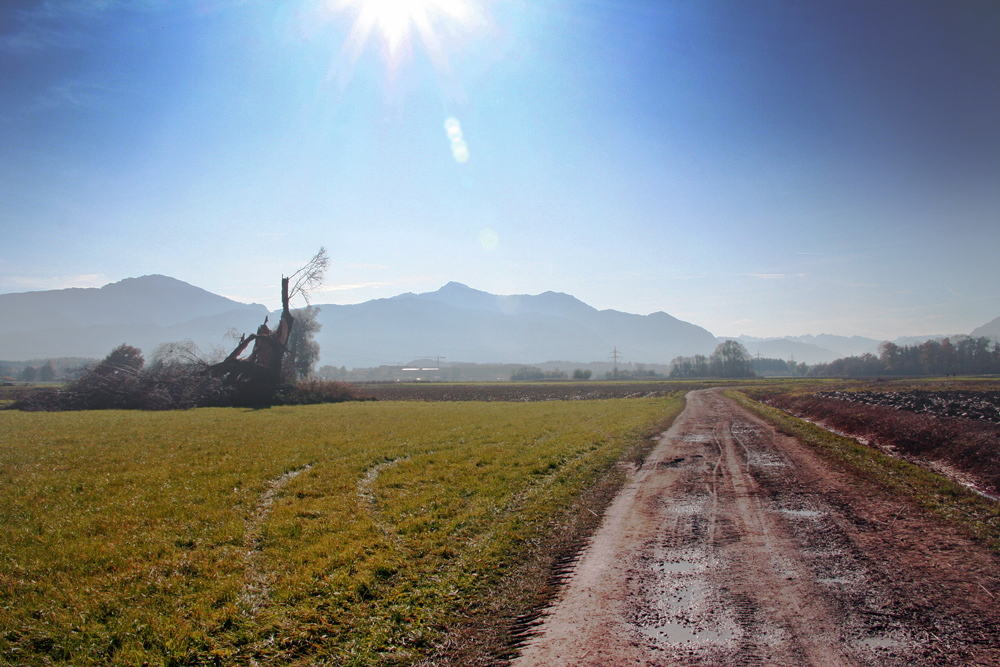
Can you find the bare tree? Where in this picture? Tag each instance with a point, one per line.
(310, 277)
(184, 351)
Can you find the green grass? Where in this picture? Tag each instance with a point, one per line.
(975, 514)
(133, 537)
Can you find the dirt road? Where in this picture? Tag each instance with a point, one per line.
(736, 545)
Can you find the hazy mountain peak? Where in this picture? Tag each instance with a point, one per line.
(144, 288)
(150, 279)
(147, 300)
(458, 295)
(155, 282)
(991, 330)
(455, 286)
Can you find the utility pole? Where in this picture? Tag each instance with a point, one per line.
(437, 358)
(615, 357)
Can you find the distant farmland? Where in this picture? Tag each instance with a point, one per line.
(363, 533)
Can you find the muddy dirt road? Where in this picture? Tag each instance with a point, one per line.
(735, 545)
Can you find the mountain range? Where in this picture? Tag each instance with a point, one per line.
(455, 322)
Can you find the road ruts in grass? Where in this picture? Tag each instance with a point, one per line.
(257, 586)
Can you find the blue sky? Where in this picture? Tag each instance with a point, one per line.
(757, 167)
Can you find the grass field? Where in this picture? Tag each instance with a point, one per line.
(349, 534)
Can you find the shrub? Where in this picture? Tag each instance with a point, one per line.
(122, 382)
(316, 391)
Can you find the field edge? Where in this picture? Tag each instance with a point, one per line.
(493, 633)
(950, 501)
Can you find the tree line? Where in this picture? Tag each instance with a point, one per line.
(729, 360)
(963, 355)
(50, 371)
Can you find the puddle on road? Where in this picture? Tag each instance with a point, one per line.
(760, 459)
(697, 437)
(680, 607)
(680, 633)
(677, 566)
(684, 614)
(877, 642)
(686, 508)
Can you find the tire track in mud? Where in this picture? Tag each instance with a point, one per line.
(735, 545)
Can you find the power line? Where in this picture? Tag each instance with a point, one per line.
(616, 357)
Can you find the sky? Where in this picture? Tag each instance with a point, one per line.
(759, 167)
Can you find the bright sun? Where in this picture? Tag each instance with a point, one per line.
(395, 20)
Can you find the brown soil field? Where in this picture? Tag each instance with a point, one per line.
(945, 431)
(734, 544)
(958, 404)
(522, 391)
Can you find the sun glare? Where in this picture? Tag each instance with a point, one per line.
(396, 20)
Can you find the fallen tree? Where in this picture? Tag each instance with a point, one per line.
(253, 380)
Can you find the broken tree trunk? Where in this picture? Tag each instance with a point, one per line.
(255, 378)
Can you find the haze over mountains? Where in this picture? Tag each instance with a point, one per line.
(456, 322)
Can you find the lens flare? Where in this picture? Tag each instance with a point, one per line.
(459, 149)
(488, 239)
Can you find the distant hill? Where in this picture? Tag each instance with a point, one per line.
(464, 324)
(457, 322)
(990, 330)
(786, 348)
(143, 311)
(823, 348)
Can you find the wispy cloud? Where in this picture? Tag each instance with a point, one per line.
(270, 236)
(33, 283)
(31, 39)
(71, 94)
(353, 286)
(775, 276)
(406, 281)
(367, 266)
(61, 9)
(267, 294)
(56, 24)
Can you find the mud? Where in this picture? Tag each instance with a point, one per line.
(735, 545)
